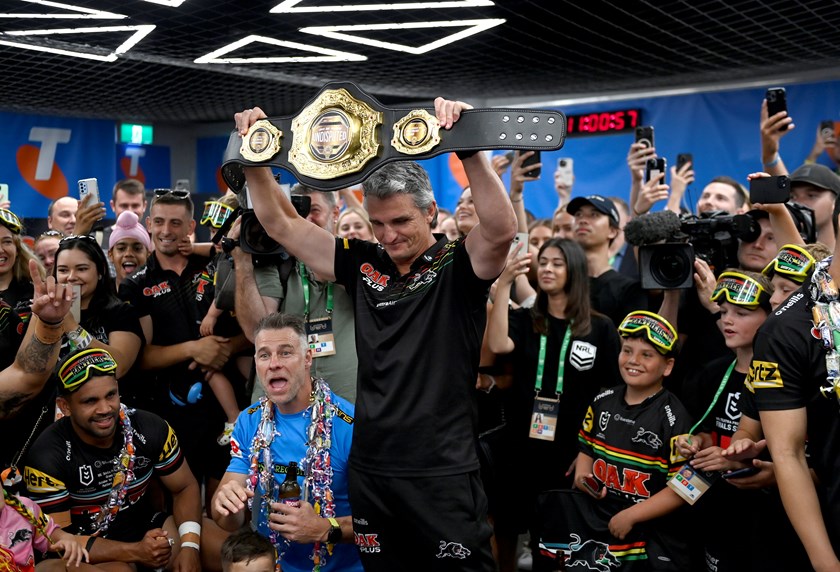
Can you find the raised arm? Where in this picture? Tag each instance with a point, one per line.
(489, 241)
(304, 240)
(38, 352)
(771, 133)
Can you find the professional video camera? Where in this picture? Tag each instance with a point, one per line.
(253, 239)
(668, 243)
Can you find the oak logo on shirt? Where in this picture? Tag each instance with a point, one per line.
(764, 375)
(373, 277)
(622, 479)
(157, 289)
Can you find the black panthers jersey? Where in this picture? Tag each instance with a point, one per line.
(64, 473)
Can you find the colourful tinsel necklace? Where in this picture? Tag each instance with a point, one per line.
(40, 524)
(316, 466)
(124, 475)
(826, 317)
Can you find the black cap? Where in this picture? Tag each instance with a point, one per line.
(601, 204)
(817, 175)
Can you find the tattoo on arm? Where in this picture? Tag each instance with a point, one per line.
(36, 356)
(12, 402)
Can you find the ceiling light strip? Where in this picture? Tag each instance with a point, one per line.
(81, 13)
(290, 6)
(140, 32)
(325, 54)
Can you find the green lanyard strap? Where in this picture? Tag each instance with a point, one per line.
(304, 280)
(717, 395)
(561, 365)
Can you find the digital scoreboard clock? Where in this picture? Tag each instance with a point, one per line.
(603, 123)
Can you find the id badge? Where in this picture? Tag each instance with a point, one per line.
(690, 483)
(319, 334)
(544, 419)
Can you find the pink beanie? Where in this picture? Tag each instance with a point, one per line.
(128, 226)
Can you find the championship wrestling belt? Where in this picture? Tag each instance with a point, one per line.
(343, 135)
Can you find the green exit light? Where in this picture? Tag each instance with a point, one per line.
(137, 134)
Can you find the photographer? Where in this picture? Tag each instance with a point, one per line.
(291, 287)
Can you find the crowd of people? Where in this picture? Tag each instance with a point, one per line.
(436, 390)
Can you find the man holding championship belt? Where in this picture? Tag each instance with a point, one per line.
(419, 304)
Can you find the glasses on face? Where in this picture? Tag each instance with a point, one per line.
(52, 234)
(76, 237)
(84, 365)
(215, 214)
(792, 262)
(177, 193)
(10, 220)
(739, 289)
(658, 330)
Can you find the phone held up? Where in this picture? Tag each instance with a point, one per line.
(532, 160)
(768, 190)
(520, 238)
(565, 171)
(654, 167)
(4, 193)
(89, 188)
(684, 158)
(644, 135)
(776, 103)
(827, 131)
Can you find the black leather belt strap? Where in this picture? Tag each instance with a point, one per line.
(337, 140)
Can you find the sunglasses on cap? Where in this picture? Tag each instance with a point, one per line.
(792, 262)
(658, 330)
(84, 365)
(177, 193)
(10, 220)
(215, 213)
(739, 289)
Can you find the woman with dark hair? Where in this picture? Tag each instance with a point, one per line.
(104, 321)
(561, 352)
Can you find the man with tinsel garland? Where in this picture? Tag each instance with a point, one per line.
(299, 420)
(795, 375)
(91, 471)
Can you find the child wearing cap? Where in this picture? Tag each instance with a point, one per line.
(627, 454)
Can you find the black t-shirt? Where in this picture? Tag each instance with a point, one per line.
(18, 293)
(616, 295)
(722, 420)
(787, 370)
(418, 338)
(64, 473)
(591, 364)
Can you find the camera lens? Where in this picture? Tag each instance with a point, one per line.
(562, 162)
(671, 268)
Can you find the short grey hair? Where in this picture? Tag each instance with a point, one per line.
(280, 321)
(402, 178)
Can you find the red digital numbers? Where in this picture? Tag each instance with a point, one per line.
(603, 123)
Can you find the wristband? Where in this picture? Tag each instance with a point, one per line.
(638, 213)
(189, 526)
(79, 339)
(334, 535)
(90, 542)
(774, 162)
(193, 545)
(53, 324)
(47, 335)
(465, 154)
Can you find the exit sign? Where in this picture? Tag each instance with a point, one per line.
(136, 134)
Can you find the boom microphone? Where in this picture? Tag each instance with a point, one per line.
(651, 228)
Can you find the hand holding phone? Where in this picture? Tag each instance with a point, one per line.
(653, 168)
(644, 135)
(89, 188)
(532, 160)
(770, 190)
(4, 193)
(827, 131)
(593, 485)
(684, 158)
(76, 304)
(776, 103)
(565, 172)
(520, 238)
(741, 473)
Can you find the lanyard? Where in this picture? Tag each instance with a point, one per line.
(717, 395)
(561, 365)
(304, 280)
